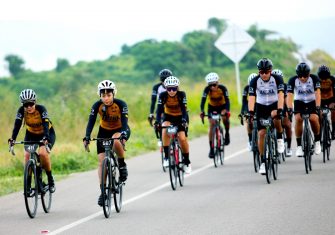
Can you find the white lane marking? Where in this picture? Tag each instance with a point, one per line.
(147, 193)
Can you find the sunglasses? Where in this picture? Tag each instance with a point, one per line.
(212, 85)
(264, 72)
(28, 104)
(171, 88)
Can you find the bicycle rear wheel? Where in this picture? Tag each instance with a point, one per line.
(46, 195)
(30, 190)
(106, 187)
(275, 156)
(221, 146)
(216, 146)
(256, 161)
(173, 167)
(268, 159)
(117, 186)
(162, 157)
(180, 166)
(324, 141)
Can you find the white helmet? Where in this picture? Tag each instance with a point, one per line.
(278, 72)
(107, 85)
(27, 95)
(251, 76)
(171, 81)
(212, 77)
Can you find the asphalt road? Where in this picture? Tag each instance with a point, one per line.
(231, 199)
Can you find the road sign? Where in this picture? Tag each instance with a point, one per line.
(234, 42)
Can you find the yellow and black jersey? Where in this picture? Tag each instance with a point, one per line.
(37, 122)
(112, 117)
(218, 98)
(327, 88)
(174, 106)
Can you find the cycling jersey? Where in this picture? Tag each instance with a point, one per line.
(217, 97)
(38, 122)
(328, 88)
(173, 106)
(156, 91)
(304, 91)
(112, 117)
(266, 92)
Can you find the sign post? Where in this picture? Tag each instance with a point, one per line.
(234, 42)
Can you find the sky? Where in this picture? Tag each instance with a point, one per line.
(40, 31)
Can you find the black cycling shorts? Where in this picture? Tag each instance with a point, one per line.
(175, 120)
(38, 137)
(264, 111)
(103, 133)
(302, 107)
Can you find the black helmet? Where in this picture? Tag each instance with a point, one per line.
(323, 71)
(264, 64)
(302, 69)
(164, 73)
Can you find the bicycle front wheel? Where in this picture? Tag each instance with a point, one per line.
(117, 190)
(46, 195)
(30, 188)
(268, 159)
(106, 187)
(324, 141)
(256, 160)
(173, 167)
(221, 146)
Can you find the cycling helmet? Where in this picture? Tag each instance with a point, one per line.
(212, 77)
(264, 64)
(107, 85)
(27, 95)
(251, 76)
(164, 73)
(278, 72)
(323, 71)
(171, 81)
(302, 69)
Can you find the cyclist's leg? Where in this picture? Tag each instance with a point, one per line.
(119, 150)
(166, 140)
(249, 131)
(279, 128)
(225, 120)
(288, 130)
(183, 142)
(332, 105)
(315, 124)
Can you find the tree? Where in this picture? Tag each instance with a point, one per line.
(219, 25)
(62, 64)
(319, 57)
(15, 64)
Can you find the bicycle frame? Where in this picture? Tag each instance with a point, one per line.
(325, 132)
(270, 151)
(308, 142)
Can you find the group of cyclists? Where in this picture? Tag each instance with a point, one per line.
(268, 96)
(265, 95)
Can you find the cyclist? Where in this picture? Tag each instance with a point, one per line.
(39, 127)
(328, 92)
(305, 88)
(172, 103)
(244, 109)
(287, 116)
(156, 90)
(113, 123)
(267, 92)
(219, 102)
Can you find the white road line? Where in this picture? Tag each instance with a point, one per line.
(147, 193)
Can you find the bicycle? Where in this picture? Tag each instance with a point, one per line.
(270, 151)
(307, 142)
(217, 139)
(34, 179)
(254, 141)
(110, 177)
(325, 133)
(176, 164)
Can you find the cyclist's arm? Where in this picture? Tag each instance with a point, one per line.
(290, 92)
(203, 99)
(281, 90)
(17, 123)
(183, 105)
(45, 119)
(124, 118)
(226, 96)
(92, 118)
(154, 98)
(244, 108)
(252, 95)
(160, 106)
(317, 89)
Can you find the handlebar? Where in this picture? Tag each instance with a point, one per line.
(25, 142)
(105, 139)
